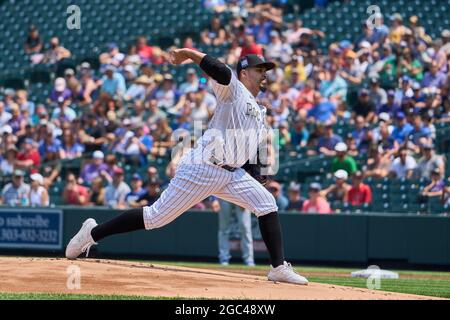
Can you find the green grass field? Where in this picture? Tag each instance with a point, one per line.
(426, 283)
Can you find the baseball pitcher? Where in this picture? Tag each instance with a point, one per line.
(222, 165)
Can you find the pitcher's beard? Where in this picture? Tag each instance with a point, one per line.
(262, 88)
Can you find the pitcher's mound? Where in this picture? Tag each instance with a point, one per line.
(110, 277)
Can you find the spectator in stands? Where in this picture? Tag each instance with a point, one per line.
(397, 30)
(166, 95)
(391, 107)
(17, 121)
(70, 148)
(359, 193)
(93, 136)
(419, 135)
(24, 103)
(429, 162)
(316, 203)
(117, 190)
(28, 156)
(294, 197)
(379, 162)
(152, 193)
(136, 191)
(445, 198)
(74, 193)
(161, 137)
(327, 143)
(299, 134)
(294, 32)
(434, 77)
(323, 111)
(250, 46)
(7, 163)
(234, 52)
(351, 69)
(215, 34)
(334, 87)
(89, 85)
(8, 98)
(377, 94)
(16, 192)
(364, 107)
(144, 50)
(49, 147)
(403, 129)
(139, 89)
(60, 94)
(215, 5)
(94, 169)
(113, 56)
(403, 166)
(436, 186)
(192, 81)
(337, 192)
(56, 52)
(33, 44)
(76, 90)
(113, 83)
(275, 189)
(38, 193)
(342, 160)
(277, 49)
(362, 134)
(5, 116)
(97, 192)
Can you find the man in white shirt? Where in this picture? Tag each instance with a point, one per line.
(403, 166)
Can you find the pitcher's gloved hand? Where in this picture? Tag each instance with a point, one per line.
(255, 171)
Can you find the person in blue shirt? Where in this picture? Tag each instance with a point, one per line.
(328, 141)
(390, 107)
(49, 147)
(299, 134)
(323, 110)
(136, 191)
(113, 83)
(145, 144)
(419, 134)
(334, 87)
(403, 129)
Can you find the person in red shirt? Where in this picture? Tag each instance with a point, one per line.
(74, 193)
(305, 99)
(29, 157)
(250, 46)
(144, 51)
(359, 193)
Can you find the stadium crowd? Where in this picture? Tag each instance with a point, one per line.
(126, 112)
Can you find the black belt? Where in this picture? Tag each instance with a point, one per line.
(226, 167)
(231, 169)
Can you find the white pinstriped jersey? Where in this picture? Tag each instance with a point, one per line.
(239, 119)
(196, 178)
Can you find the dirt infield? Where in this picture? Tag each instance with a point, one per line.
(111, 277)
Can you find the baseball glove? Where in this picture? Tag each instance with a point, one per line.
(255, 171)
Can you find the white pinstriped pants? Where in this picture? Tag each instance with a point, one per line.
(195, 182)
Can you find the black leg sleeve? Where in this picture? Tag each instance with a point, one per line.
(270, 228)
(128, 221)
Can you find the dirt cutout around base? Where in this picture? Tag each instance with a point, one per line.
(114, 277)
